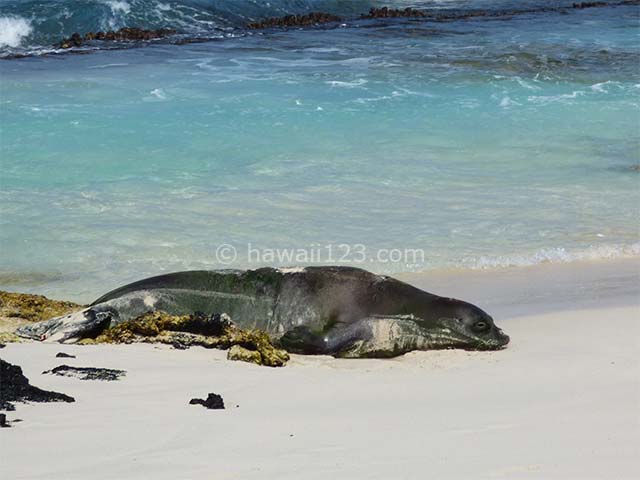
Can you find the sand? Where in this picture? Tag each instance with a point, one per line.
(563, 401)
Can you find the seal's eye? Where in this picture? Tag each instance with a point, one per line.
(481, 326)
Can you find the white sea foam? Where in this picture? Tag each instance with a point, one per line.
(554, 255)
(544, 99)
(599, 87)
(353, 84)
(119, 6)
(158, 93)
(291, 270)
(524, 84)
(506, 102)
(13, 30)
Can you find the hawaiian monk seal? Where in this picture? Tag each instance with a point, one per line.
(340, 311)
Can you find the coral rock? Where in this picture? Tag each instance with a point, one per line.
(244, 355)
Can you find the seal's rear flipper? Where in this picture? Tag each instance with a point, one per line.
(89, 322)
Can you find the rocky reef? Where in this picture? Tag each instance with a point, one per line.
(313, 18)
(209, 331)
(448, 15)
(15, 387)
(87, 373)
(127, 34)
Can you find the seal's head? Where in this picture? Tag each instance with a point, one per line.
(472, 327)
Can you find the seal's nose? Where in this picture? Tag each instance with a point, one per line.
(502, 337)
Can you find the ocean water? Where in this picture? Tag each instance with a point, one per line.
(395, 144)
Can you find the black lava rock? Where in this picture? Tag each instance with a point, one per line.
(126, 34)
(313, 18)
(15, 387)
(87, 373)
(64, 355)
(213, 401)
(386, 12)
(451, 14)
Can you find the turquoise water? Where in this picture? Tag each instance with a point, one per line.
(480, 142)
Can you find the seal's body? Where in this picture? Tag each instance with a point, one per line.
(340, 311)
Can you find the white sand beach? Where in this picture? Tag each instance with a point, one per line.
(561, 402)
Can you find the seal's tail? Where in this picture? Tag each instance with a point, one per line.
(69, 328)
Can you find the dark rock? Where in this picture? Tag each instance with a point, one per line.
(386, 12)
(449, 15)
(15, 387)
(3, 421)
(2, 345)
(589, 4)
(125, 34)
(87, 373)
(64, 355)
(213, 401)
(313, 18)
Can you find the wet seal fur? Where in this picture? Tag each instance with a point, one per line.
(340, 311)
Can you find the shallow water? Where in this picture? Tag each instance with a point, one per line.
(483, 142)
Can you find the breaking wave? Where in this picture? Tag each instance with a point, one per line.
(35, 26)
(13, 30)
(26, 25)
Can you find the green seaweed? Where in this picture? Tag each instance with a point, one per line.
(33, 308)
(184, 331)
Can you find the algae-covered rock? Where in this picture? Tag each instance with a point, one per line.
(184, 331)
(259, 341)
(244, 355)
(153, 324)
(9, 337)
(33, 308)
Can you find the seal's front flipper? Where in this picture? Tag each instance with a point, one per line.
(304, 341)
(89, 322)
(378, 337)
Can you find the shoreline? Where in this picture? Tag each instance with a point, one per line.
(519, 291)
(577, 284)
